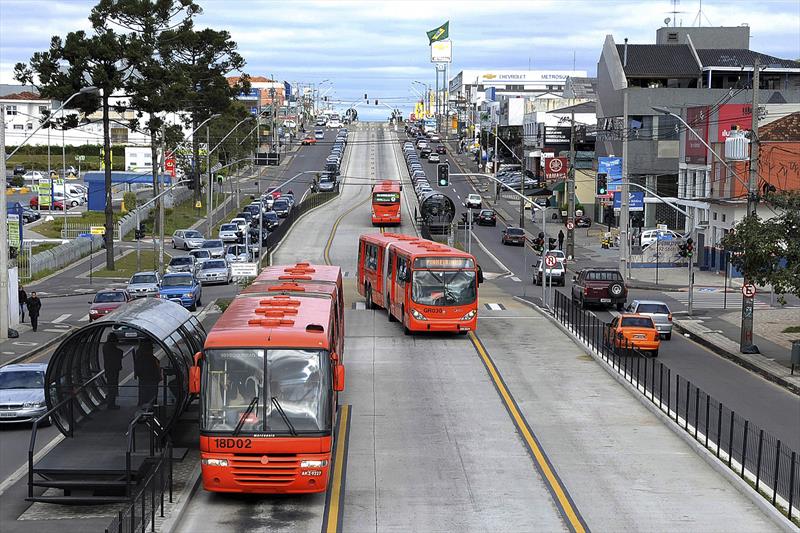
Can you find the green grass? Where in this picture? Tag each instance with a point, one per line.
(178, 217)
(43, 247)
(126, 265)
(52, 229)
(792, 329)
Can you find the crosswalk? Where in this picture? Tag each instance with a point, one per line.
(714, 300)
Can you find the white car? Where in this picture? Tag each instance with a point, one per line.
(650, 236)
(241, 222)
(558, 254)
(229, 232)
(434, 158)
(473, 201)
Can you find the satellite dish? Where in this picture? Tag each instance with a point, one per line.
(667, 21)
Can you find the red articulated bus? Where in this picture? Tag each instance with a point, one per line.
(268, 391)
(424, 284)
(386, 203)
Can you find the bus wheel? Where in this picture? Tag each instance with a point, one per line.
(368, 298)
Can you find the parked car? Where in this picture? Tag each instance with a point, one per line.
(557, 274)
(649, 236)
(638, 331)
(29, 215)
(513, 235)
(214, 271)
(22, 392)
(188, 239)
(658, 311)
(215, 246)
(583, 222)
(182, 288)
(603, 286)
(485, 217)
(282, 207)
(200, 256)
(144, 284)
(229, 232)
(182, 263)
(473, 201)
(107, 300)
(58, 205)
(19, 170)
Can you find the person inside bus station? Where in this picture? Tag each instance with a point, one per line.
(112, 364)
(147, 370)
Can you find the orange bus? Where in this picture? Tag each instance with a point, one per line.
(268, 390)
(425, 285)
(386, 203)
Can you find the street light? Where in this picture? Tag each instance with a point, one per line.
(4, 310)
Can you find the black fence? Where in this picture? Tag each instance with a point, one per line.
(757, 456)
(314, 200)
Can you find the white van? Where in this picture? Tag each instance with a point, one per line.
(76, 195)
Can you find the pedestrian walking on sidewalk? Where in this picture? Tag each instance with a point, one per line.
(34, 306)
(561, 239)
(22, 298)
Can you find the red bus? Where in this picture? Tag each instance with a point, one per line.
(268, 391)
(424, 284)
(386, 203)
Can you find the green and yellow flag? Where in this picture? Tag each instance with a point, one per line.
(439, 34)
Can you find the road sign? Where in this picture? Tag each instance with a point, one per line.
(748, 290)
(556, 168)
(550, 261)
(570, 225)
(97, 230)
(13, 230)
(216, 167)
(244, 270)
(80, 158)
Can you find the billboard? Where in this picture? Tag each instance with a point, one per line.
(556, 168)
(442, 51)
(635, 200)
(612, 168)
(695, 151)
(733, 115)
(556, 135)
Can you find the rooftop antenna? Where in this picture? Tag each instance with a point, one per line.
(699, 17)
(675, 12)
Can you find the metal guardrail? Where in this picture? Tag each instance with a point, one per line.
(758, 457)
(311, 202)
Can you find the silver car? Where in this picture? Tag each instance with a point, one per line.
(214, 271)
(144, 284)
(229, 232)
(237, 253)
(182, 263)
(187, 239)
(215, 246)
(658, 311)
(200, 255)
(22, 392)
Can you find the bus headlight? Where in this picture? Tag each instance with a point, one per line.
(313, 464)
(417, 315)
(215, 462)
(469, 316)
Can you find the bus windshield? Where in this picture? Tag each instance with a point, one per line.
(386, 197)
(443, 288)
(236, 390)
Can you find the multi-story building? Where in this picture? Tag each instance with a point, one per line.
(680, 71)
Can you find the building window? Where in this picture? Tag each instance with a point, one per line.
(29, 125)
(43, 109)
(18, 127)
(723, 217)
(667, 128)
(715, 215)
(11, 110)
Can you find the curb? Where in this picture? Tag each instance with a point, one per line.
(772, 513)
(736, 358)
(171, 523)
(38, 349)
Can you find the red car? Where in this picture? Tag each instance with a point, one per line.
(441, 149)
(106, 301)
(57, 204)
(308, 140)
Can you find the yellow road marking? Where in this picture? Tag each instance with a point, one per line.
(331, 521)
(327, 251)
(564, 502)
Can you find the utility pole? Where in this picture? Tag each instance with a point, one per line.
(571, 190)
(4, 301)
(160, 200)
(624, 195)
(208, 171)
(746, 339)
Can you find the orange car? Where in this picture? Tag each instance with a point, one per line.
(308, 140)
(636, 330)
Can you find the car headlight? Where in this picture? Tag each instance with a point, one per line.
(313, 464)
(93, 311)
(214, 462)
(188, 295)
(469, 316)
(417, 315)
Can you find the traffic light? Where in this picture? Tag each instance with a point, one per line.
(551, 243)
(602, 184)
(689, 247)
(538, 242)
(139, 233)
(443, 173)
(683, 250)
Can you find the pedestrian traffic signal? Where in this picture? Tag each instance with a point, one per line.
(443, 173)
(551, 243)
(602, 184)
(690, 247)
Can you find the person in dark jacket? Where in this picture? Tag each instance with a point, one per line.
(22, 298)
(147, 369)
(34, 306)
(560, 239)
(112, 363)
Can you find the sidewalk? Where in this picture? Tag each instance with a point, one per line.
(15, 350)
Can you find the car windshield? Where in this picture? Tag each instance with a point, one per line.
(229, 227)
(637, 322)
(486, 212)
(176, 281)
(181, 261)
(192, 235)
(443, 288)
(654, 309)
(272, 215)
(294, 381)
(104, 297)
(200, 254)
(208, 265)
(143, 278)
(212, 244)
(515, 231)
(22, 379)
(280, 204)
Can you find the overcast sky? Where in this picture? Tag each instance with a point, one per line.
(378, 47)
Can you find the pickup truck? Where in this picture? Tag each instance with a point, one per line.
(604, 286)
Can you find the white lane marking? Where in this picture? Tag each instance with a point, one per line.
(61, 318)
(25, 343)
(23, 470)
(55, 330)
(85, 318)
(494, 307)
(515, 278)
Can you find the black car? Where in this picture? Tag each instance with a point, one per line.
(424, 153)
(19, 170)
(271, 220)
(485, 217)
(29, 215)
(281, 207)
(583, 222)
(441, 149)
